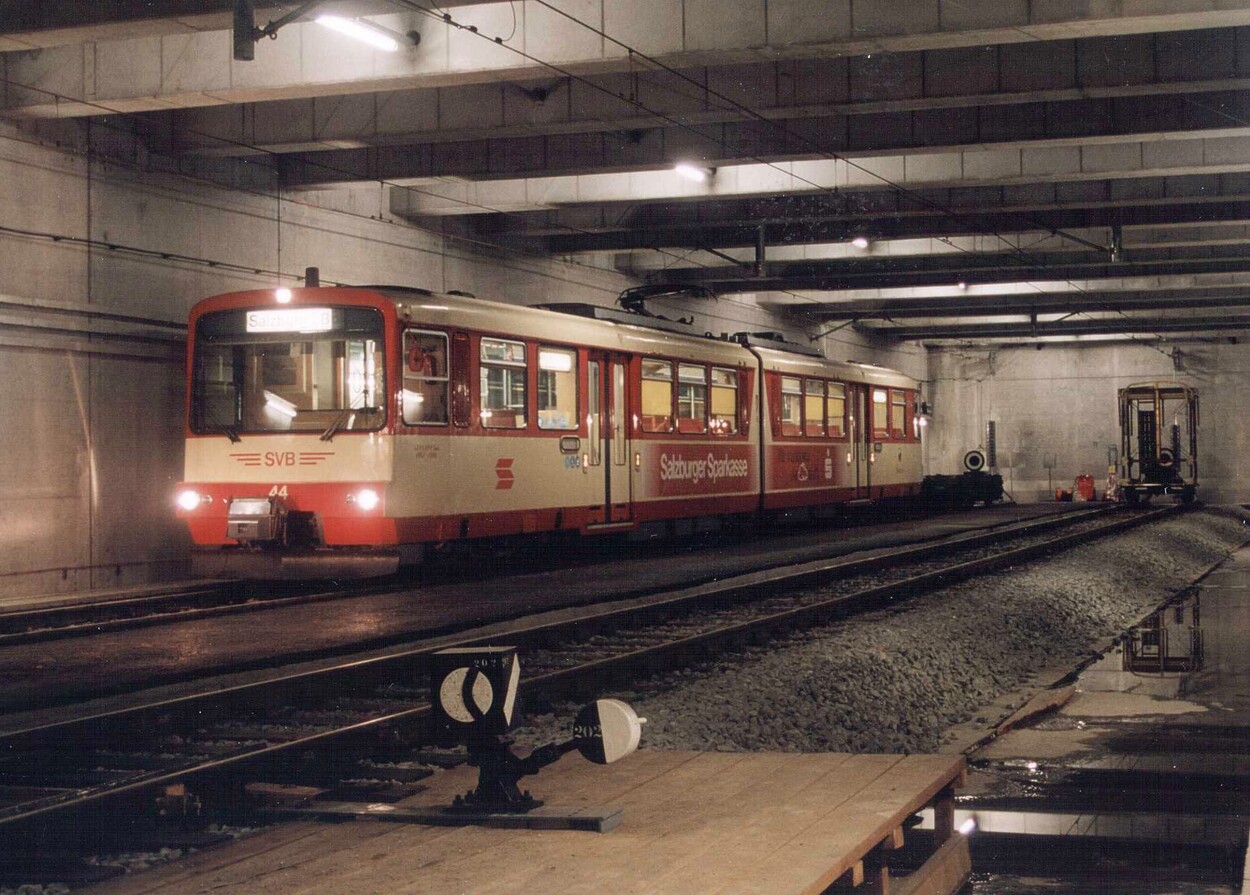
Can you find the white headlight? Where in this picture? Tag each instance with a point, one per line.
(188, 500)
(367, 499)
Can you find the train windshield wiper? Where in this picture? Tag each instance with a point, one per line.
(345, 414)
(226, 429)
(336, 424)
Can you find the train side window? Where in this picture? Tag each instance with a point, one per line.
(724, 401)
(791, 406)
(503, 384)
(426, 378)
(657, 395)
(557, 388)
(880, 414)
(691, 398)
(836, 409)
(898, 413)
(814, 407)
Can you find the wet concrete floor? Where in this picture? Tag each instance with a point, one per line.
(1139, 782)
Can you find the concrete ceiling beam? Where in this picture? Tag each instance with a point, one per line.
(1078, 123)
(1151, 325)
(515, 41)
(663, 258)
(935, 82)
(1073, 289)
(29, 26)
(1013, 305)
(639, 262)
(954, 169)
(567, 238)
(882, 214)
(943, 273)
(32, 26)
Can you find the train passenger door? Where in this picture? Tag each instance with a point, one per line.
(860, 448)
(609, 449)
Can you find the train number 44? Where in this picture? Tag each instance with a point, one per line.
(278, 491)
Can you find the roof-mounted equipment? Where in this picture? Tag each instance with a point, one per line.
(774, 340)
(635, 299)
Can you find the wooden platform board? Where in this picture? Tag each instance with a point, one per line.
(692, 823)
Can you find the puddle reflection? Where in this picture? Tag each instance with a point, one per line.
(1157, 656)
(1170, 640)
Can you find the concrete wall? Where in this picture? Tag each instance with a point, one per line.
(92, 338)
(92, 344)
(1060, 404)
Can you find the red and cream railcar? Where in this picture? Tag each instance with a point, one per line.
(337, 431)
(838, 432)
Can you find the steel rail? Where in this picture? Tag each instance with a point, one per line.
(38, 625)
(206, 707)
(763, 572)
(76, 618)
(768, 627)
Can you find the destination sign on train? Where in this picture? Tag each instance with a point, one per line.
(288, 320)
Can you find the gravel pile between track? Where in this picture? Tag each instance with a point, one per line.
(894, 681)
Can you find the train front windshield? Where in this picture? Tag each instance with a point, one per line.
(288, 370)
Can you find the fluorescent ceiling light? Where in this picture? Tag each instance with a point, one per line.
(696, 173)
(366, 32)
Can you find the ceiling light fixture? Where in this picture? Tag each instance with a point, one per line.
(860, 242)
(697, 173)
(366, 32)
(246, 34)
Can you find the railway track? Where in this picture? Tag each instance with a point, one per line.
(143, 608)
(127, 611)
(210, 599)
(49, 771)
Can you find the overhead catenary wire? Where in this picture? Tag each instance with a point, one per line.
(218, 264)
(448, 19)
(703, 89)
(754, 114)
(445, 17)
(331, 169)
(224, 265)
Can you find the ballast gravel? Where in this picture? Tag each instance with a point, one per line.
(894, 681)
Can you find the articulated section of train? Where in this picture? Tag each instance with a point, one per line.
(344, 431)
